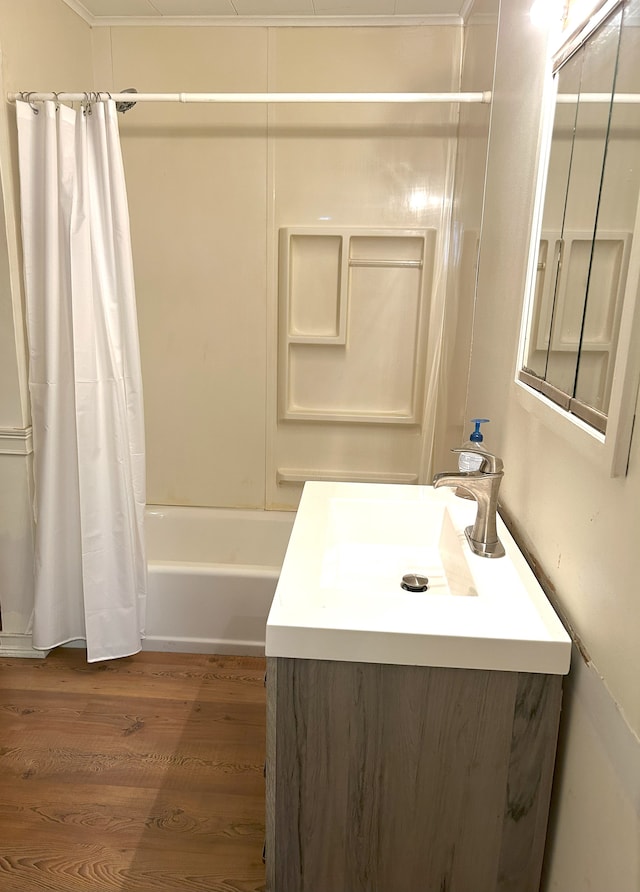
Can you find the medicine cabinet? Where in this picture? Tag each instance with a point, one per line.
(578, 350)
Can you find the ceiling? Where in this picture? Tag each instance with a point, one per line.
(98, 12)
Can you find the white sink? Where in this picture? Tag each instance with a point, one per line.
(339, 596)
(366, 558)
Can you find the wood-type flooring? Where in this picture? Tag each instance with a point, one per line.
(143, 774)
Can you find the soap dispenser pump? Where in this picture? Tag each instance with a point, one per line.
(470, 461)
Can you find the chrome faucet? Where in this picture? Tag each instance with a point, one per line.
(483, 485)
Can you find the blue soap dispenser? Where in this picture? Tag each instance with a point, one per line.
(469, 461)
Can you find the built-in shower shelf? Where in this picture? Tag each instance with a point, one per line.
(301, 475)
(347, 295)
(398, 264)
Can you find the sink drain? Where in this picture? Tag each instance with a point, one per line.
(414, 582)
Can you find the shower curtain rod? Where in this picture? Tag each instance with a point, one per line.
(618, 98)
(131, 97)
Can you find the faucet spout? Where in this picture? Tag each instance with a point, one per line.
(484, 487)
(456, 478)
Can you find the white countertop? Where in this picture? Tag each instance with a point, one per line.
(339, 594)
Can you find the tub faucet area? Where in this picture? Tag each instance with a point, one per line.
(483, 485)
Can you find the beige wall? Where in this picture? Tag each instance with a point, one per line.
(196, 180)
(209, 190)
(453, 427)
(582, 526)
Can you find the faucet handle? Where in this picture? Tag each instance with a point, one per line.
(493, 463)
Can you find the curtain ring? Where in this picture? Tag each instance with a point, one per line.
(86, 105)
(26, 97)
(57, 101)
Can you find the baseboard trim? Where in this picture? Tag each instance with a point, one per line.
(203, 646)
(19, 644)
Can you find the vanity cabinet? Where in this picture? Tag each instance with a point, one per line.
(390, 778)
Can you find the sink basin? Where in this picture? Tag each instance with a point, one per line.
(339, 596)
(366, 559)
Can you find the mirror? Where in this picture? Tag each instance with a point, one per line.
(587, 227)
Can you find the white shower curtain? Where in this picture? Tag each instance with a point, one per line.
(84, 381)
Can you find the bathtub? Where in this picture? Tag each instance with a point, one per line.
(212, 577)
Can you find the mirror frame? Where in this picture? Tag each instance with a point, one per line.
(610, 450)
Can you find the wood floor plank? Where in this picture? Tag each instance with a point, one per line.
(131, 807)
(103, 869)
(140, 774)
(123, 722)
(185, 825)
(140, 677)
(175, 770)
